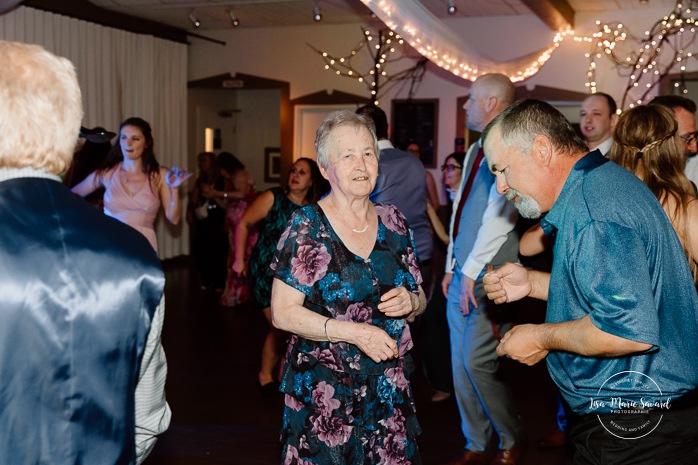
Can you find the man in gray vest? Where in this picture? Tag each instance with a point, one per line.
(481, 235)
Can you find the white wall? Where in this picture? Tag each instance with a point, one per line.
(283, 53)
(252, 125)
(259, 127)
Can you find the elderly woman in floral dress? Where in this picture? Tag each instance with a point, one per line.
(346, 282)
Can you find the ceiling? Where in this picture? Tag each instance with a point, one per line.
(214, 14)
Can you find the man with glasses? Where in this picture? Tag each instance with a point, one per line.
(685, 113)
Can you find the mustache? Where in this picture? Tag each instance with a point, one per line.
(511, 194)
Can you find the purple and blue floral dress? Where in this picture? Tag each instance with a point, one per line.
(341, 406)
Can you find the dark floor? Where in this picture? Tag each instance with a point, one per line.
(221, 417)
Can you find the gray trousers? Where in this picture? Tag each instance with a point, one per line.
(484, 400)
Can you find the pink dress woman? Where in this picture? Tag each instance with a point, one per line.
(137, 209)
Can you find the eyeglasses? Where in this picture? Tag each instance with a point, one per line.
(691, 138)
(452, 168)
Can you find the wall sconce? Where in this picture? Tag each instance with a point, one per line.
(233, 18)
(451, 8)
(317, 16)
(194, 21)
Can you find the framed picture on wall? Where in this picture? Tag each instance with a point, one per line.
(272, 164)
(416, 121)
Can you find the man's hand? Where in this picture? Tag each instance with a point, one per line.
(467, 295)
(523, 344)
(507, 284)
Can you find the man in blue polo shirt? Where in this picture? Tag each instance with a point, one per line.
(622, 320)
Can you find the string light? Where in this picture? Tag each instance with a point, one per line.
(454, 62)
(664, 47)
(644, 60)
(385, 48)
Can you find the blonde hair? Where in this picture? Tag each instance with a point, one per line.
(646, 143)
(40, 109)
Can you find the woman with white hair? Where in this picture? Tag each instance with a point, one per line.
(346, 283)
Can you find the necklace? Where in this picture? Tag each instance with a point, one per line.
(357, 231)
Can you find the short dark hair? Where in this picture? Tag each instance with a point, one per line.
(229, 162)
(675, 101)
(459, 157)
(612, 106)
(521, 121)
(379, 119)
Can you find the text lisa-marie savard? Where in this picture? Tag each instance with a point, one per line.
(618, 403)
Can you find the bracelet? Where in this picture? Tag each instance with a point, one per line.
(328, 338)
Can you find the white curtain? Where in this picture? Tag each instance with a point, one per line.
(121, 74)
(428, 35)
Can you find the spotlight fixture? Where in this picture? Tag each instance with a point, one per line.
(451, 8)
(317, 16)
(194, 21)
(233, 18)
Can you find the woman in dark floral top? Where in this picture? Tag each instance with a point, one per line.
(346, 283)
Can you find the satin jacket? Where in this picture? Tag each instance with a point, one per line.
(78, 291)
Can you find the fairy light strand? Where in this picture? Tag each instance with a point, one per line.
(384, 49)
(645, 60)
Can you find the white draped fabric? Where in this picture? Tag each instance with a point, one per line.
(121, 74)
(433, 39)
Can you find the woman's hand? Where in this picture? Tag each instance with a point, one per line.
(207, 191)
(398, 302)
(375, 342)
(239, 268)
(176, 176)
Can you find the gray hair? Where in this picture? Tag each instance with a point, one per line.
(522, 121)
(333, 121)
(41, 108)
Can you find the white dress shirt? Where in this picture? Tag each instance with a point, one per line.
(605, 146)
(152, 412)
(498, 220)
